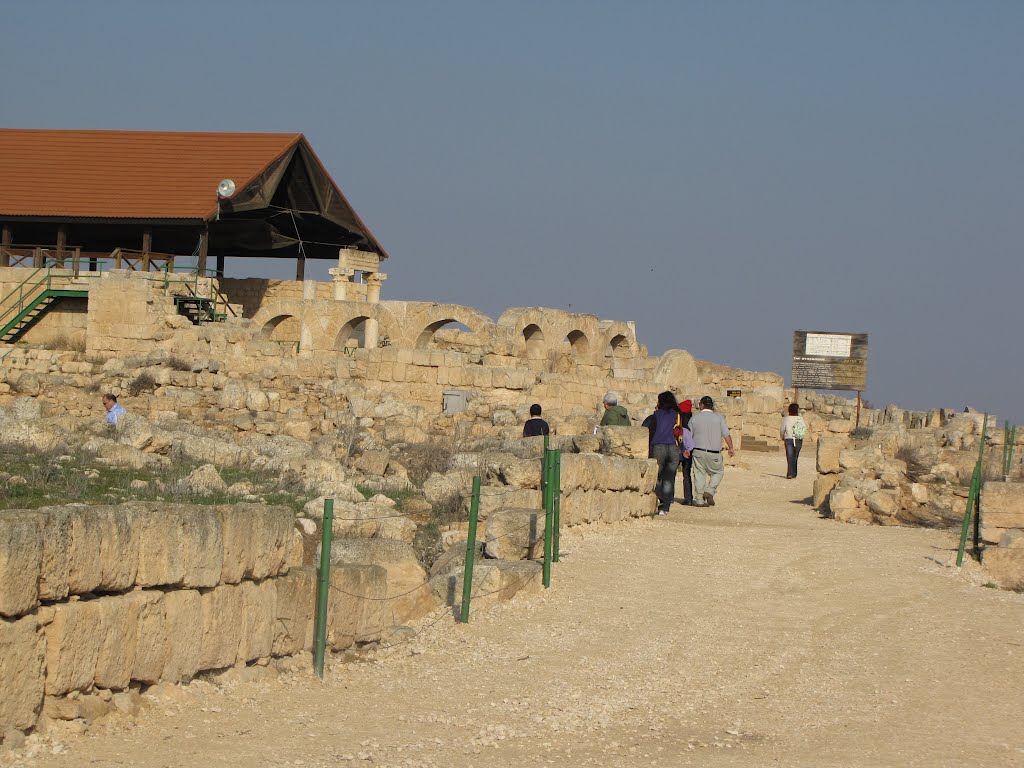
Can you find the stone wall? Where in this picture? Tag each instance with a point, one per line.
(301, 365)
(1002, 532)
(105, 599)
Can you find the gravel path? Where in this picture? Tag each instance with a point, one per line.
(752, 633)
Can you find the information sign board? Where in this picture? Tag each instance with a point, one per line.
(830, 360)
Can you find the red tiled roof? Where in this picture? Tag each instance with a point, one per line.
(127, 174)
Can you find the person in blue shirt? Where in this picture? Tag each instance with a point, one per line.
(114, 410)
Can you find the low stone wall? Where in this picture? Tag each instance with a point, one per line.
(105, 599)
(1002, 532)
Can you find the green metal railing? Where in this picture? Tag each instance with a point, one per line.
(323, 586)
(973, 499)
(1009, 440)
(43, 283)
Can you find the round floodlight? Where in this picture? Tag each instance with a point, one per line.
(226, 188)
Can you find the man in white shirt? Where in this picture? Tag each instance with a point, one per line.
(709, 430)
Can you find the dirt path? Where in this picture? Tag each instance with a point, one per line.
(753, 633)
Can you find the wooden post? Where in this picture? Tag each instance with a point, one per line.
(796, 395)
(300, 268)
(5, 246)
(204, 245)
(147, 246)
(220, 265)
(857, 422)
(62, 240)
(76, 260)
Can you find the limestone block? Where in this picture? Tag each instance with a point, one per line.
(373, 462)
(884, 504)
(259, 602)
(858, 458)
(1002, 508)
(118, 550)
(365, 521)
(586, 443)
(21, 556)
(294, 610)
(183, 615)
(514, 533)
(494, 498)
(843, 503)
(147, 607)
(257, 540)
(1005, 566)
(202, 547)
(57, 554)
(521, 473)
(22, 655)
(408, 595)
(115, 661)
(73, 640)
(355, 611)
(203, 481)
(829, 449)
(221, 609)
(494, 581)
(823, 485)
(161, 559)
(629, 442)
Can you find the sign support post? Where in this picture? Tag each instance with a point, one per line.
(857, 422)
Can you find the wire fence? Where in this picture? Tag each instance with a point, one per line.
(550, 491)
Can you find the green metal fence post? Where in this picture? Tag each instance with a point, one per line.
(972, 495)
(556, 501)
(548, 515)
(1009, 438)
(467, 576)
(324, 583)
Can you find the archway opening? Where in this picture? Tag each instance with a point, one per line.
(352, 335)
(534, 338)
(579, 344)
(619, 347)
(283, 328)
(447, 334)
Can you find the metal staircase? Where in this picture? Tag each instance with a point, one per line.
(33, 298)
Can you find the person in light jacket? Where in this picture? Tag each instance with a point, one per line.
(792, 433)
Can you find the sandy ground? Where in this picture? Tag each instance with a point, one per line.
(748, 634)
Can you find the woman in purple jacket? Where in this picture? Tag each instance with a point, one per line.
(664, 424)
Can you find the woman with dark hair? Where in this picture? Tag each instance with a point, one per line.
(792, 432)
(664, 425)
(686, 460)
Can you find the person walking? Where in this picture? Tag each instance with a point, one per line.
(663, 425)
(614, 414)
(686, 457)
(709, 429)
(792, 432)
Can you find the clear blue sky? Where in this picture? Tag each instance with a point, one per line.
(721, 172)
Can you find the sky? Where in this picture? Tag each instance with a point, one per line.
(723, 173)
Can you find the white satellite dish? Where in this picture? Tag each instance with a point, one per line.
(226, 188)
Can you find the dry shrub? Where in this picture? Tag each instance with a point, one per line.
(422, 459)
(144, 383)
(178, 364)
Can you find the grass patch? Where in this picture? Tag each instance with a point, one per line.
(32, 479)
(990, 585)
(861, 433)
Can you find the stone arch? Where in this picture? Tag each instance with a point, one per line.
(579, 344)
(533, 337)
(618, 346)
(346, 322)
(284, 327)
(426, 336)
(351, 335)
